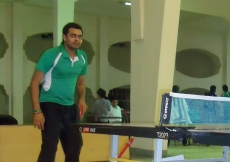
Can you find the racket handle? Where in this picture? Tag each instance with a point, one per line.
(128, 144)
(80, 112)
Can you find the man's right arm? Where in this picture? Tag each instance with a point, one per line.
(34, 88)
(34, 93)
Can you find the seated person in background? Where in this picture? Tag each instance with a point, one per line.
(179, 113)
(101, 106)
(212, 91)
(226, 105)
(210, 108)
(115, 110)
(225, 93)
(179, 109)
(213, 112)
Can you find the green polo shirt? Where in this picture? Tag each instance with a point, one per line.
(61, 73)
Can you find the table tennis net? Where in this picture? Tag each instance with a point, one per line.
(194, 109)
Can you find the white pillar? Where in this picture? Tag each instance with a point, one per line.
(104, 47)
(6, 62)
(228, 59)
(17, 62)
(152, 59)
(63, 14)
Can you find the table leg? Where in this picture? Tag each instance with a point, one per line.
(225, 153)
(158, 150)
(113, 146)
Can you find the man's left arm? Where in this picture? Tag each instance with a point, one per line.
(81, 93)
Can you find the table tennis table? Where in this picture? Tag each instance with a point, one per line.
(209, 124)
(203, 134)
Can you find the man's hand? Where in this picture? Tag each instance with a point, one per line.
(39, 120)
(82, 107)
(81, 93)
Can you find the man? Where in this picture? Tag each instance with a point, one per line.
(212, 91)
(225, 91)
(63, 69)
(115, 110)
(101, 106)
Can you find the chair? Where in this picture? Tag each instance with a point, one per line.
(125, 116)
(110, 119)
(8, 120)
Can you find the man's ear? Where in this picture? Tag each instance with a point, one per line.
(64, 37)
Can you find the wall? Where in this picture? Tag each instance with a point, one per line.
(90, 27)
(205, 40)
(116, 77)
(5, 61)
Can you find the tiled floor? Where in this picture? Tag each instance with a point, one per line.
(141, 158)
(194, 151)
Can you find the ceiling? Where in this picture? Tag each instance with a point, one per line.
(204, 22)
(115, 8)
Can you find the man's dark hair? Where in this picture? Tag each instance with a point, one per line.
(66, 28)
(175, 89)
(225, 88)
(112, 98)
(101, 92)
(212, 91)
(212, 88)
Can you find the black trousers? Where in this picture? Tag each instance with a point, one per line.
(57, 126)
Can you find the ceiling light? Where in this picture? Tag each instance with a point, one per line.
(128, 3)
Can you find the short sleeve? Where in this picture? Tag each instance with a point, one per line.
(108, 105)
(45, 63)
